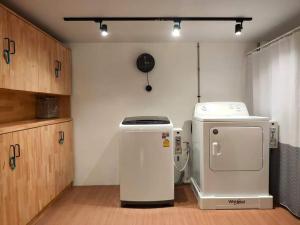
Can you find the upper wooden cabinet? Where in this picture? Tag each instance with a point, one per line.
(67, 68)
(32, 60)
(4, 67)
(22, 42)
(54, 66)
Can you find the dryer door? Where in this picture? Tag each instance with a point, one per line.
(236, 148)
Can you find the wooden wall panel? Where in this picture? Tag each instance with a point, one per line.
(19, 105)
(64, 104)
(16, 106)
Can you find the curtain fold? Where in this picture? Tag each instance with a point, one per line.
(274, 77)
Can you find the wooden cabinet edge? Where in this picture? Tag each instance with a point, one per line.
(39, 92)
(29, 124)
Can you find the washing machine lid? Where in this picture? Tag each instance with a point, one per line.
(146, 120)
(224, 111)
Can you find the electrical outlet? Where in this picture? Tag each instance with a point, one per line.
(177, 141)
(274, 135)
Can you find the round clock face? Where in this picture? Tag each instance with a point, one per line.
(145, 62)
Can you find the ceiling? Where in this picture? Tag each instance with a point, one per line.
(270, 19)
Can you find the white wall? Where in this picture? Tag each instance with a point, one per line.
(107, 87)
(223, 71)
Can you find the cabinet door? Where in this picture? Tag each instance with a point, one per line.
(4, 67)
(64, 156)
(68, 156)
(47, 164)
(8, 184)
(60, 80)
(23, 68)
(58, 152)
(54, 56)
(236, 148)
(67, 71)
(46, 69)
(27, 173)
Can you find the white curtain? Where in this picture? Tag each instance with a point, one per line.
(274, 74)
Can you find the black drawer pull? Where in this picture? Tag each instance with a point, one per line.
(6, 51)
(6, 55)
(57, 68)
(12, 157)
(61, 139)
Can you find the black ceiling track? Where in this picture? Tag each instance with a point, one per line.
(100, 19)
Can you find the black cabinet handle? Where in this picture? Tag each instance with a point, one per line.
(18, 150)
(14, 46)
(6, 51)
(61, 139)
(57, 68)
(12, 157)
(6, 55)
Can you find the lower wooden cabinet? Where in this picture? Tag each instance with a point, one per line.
(8, 184)
(43, 168)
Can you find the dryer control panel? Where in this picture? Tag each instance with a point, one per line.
(223, 109)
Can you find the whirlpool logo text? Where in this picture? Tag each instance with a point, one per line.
(236, 202)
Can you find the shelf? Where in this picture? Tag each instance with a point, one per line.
(27, 124)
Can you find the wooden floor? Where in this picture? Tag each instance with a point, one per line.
(100, 205)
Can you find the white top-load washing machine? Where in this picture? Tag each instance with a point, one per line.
(230, 167)
(146, 161)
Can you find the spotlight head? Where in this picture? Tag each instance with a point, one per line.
(176, 29)
(238, 29)
(103, 29)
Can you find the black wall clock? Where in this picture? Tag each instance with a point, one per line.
(145, 62)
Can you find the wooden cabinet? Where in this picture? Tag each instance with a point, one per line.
(54, 66)
(32, 60)
(42, 153)
(26, 143)
(46, 51)
(8, 184)
(66, 168)
(4, 67)
(44, 168)
(60, 136)
(17, 184)
(67, 71)
(59, 153)
(19, 59)
(23, 67)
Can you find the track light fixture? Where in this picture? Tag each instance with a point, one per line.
(177, 20)
(103, 29)
(238, 28)
(176, 29)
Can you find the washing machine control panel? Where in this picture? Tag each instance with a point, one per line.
(221, 109)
